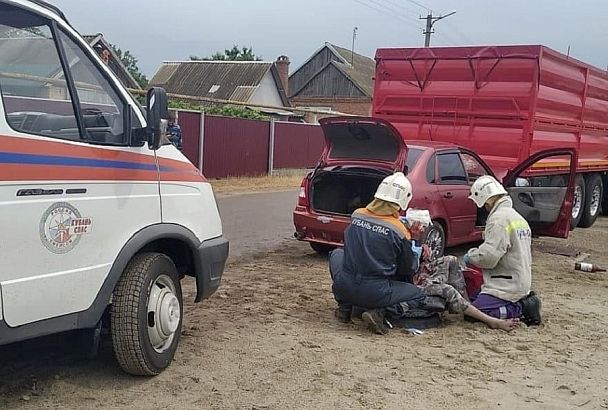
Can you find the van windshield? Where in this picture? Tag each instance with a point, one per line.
(34, 89)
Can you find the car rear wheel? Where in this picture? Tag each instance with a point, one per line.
(321, 248)
(578, 201)
(593, 200)
(146, 315)
(434, 237)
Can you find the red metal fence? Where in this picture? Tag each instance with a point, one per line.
(235, 147)
(297, 145)
(190, 122)
(240, 147)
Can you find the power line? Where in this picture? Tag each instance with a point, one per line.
(386, 13)
(419, 5)
(391, 10)
(446, 38)
(401, 6)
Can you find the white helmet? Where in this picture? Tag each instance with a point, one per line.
(484, 188)
(395, 188)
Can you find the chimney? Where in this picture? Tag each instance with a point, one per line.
(282, 64)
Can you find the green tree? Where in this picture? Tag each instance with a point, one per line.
(233, 54)
(131, 63)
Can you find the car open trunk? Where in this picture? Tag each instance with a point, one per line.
(341, 191)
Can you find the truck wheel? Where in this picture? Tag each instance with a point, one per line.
(146, 315)
(594, 192)
(321, 248)
(578, 201)
(604, 209)
(434, 237)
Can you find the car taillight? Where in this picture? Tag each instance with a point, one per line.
(302, 198)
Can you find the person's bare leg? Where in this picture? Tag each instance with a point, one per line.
(503, 324)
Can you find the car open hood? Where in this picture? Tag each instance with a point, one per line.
(361, 140)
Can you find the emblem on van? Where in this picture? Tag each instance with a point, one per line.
(62, 226)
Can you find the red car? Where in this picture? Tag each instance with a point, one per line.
(360, 151)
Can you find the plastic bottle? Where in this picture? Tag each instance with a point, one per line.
(588, 267)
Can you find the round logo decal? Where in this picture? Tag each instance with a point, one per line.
(62, 226)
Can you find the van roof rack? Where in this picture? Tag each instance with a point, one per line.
(50, 7)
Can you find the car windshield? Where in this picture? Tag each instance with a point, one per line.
(412, 158)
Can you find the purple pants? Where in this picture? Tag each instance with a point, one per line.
(498, 308)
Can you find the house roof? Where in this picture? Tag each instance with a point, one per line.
(225, 80)
(357, 67)
(97, 41)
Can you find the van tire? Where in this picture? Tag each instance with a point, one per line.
(147, 275)
(579, 186)
(594, 192)
(436, 235)
(321, 248)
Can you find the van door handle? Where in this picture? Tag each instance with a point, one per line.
(448, 195)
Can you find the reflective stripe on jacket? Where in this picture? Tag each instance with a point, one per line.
(505, 256)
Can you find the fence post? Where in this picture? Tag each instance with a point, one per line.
(201, 142)
(271, 148)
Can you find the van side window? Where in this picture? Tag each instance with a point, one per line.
(101, 107)
(32, 82)
(451, 170)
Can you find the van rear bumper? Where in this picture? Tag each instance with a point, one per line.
(210, 260)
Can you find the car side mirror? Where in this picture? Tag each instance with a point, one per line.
(156, 113)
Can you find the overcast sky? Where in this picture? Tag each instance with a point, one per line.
(160, 30)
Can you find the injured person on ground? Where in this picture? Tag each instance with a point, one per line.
(381, 276)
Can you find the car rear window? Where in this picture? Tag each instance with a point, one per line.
(412, 158)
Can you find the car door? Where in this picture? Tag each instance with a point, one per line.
(475, 167)
(73, 189)
(453, 189)
(542, 189)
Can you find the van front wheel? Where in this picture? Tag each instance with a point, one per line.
(146, 315)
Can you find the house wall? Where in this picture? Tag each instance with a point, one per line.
(267, 92)
(355, 106)
(330, 82)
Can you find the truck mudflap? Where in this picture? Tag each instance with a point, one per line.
(210, 259)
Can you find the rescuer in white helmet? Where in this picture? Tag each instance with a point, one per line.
(505, 257)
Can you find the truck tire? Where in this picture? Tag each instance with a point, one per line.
(594, 192)
(604, 210)
(578, 201)
(321, 248)
(434, 237)
(146, 315)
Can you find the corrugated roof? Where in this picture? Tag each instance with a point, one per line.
(359, 68)
(226, 80)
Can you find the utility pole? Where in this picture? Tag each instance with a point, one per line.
(352, 50)
(430, 22)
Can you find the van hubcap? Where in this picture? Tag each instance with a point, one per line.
(164, 313)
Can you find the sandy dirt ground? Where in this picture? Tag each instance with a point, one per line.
(285, 179)
(268, 340)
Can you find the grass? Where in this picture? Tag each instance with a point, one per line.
(233, 185)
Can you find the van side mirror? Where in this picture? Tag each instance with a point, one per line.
(156, 113)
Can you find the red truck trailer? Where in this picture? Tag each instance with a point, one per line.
(505, 103)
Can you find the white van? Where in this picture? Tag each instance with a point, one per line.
(96, 214)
